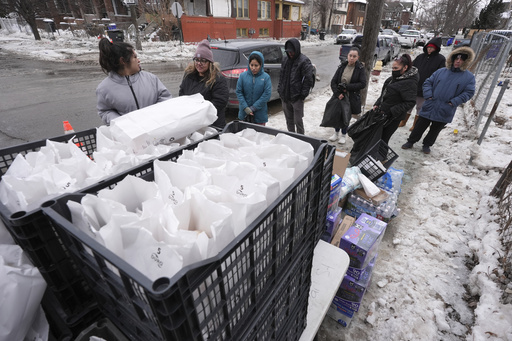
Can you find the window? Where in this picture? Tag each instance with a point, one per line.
(272, 54)
(241, 32)
(264, 32)
(241, 8)
(119, 8)
(263, 10)
(62, 6)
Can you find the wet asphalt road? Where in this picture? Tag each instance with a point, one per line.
(36, 96)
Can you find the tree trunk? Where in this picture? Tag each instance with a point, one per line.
(371, 33)
(133, 12)
(33, 26)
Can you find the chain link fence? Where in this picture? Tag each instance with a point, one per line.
(493, 68)
(503, 191)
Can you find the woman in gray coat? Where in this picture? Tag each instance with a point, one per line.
(127, 87)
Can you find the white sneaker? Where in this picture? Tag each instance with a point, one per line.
(334, 136)
(343, 139)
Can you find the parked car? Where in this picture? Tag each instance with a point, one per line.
(382, 50)
(389, 32)
(233, 57)
(430, 35)
(394, 45)
(346, 36)
(409, 38)
(447, 40)
(422, 40)
(314, 31)
(404, 28)
(458, 42)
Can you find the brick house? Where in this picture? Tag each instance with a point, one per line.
(217, 19)
(397, 13)
(230, 19)
(356, 14)
(339, 16)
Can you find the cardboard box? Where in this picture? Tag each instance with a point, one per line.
(346, 222)
(351, 291)
(376, 200)
(362, 240)
(340, 162)
(332, 223)
(340, 314)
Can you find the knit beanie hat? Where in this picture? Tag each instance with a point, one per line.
(432, 45)
(203, 51)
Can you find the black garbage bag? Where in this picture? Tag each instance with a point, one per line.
(346, 112)
(365, 133)
(337, 113)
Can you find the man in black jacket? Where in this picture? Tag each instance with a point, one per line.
(426, 63)
(295, 82)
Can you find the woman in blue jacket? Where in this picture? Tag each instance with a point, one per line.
(253, 90)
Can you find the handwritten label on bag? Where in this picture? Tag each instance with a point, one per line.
(172, 198)
(240, 191)
(154, 256)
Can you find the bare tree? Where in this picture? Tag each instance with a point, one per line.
(28, 10)
(371, 33)
(447, 15)
(159, 15)
(322, 8)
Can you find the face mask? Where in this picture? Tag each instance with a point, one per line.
(396, 73)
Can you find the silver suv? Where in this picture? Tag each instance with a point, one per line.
(383, 50)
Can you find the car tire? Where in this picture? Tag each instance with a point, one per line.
(387, 59)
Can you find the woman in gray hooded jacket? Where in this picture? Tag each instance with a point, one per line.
(127, 87)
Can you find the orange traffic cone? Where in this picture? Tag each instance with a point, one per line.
(68, 129)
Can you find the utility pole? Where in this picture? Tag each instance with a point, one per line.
(371, 33)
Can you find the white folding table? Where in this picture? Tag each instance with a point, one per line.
(330, 263)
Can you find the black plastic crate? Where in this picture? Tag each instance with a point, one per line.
(215, 299)
(284, 315)
(86, 140)
(368, 162)
(61, 328)
(104, 329)
(33, 232)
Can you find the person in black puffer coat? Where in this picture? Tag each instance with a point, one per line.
(295, 82)
(348, 80)
(398, 95)
(203, 76)
(427, 63)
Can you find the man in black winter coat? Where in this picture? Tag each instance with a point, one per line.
(427, 63)
(295, 82)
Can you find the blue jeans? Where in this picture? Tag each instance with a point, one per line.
(343, 131)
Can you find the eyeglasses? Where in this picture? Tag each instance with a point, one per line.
(461, 56)
(200, 60)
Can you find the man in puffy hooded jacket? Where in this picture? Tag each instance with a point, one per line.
(253, 90)
(444, 91)
(295, 82)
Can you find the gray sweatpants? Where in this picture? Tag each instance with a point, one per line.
(294, 112)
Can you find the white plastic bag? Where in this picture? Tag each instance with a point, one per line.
(163, 122)
(21, 290)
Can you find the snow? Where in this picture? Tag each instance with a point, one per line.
(420, 282)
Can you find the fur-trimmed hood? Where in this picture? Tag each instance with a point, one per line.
(465, 50)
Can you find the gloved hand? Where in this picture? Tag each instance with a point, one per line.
(342, 87)
(248, 111)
